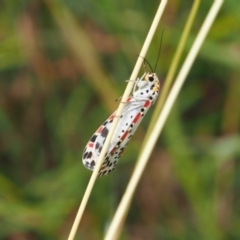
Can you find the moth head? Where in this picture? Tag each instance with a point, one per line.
(151, 77)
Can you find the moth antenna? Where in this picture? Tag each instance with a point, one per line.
(159, 51)
(144, 66)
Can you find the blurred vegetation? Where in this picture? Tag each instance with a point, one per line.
(62, 65)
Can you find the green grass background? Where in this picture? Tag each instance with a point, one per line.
(62, 65)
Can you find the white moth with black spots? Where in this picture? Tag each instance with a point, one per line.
(145, 92)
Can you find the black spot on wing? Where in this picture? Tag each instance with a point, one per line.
(105, 123)
(104, 132)
(97, 145)
(93, 138)
(85, 155)
(92, 164)
(89, 155)
(109, 164)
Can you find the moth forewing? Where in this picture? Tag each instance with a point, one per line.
(145, 92)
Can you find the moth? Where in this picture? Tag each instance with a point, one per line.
(144, 94)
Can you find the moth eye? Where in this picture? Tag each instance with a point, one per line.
(150, 78)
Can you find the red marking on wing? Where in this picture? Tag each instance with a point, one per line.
(100, 129)
(111, 117)
(147, 103)
(129, 99)
(137, 118)
(124, 135)
(113, 150)
(90, 144)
